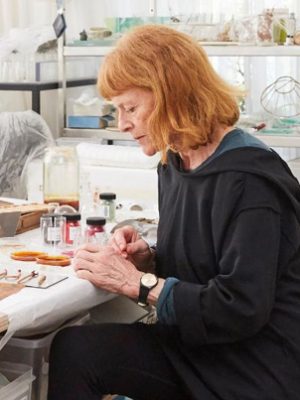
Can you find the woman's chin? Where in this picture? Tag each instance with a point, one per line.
(149, 150)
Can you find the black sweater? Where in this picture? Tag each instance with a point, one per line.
(230, 232)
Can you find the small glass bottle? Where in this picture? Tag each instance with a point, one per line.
(73, 228)
(95, 230)
(290, 29)
(108, 205)
(53, 228)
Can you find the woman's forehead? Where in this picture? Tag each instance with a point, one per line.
(133, 94)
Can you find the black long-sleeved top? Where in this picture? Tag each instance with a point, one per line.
(230, 232)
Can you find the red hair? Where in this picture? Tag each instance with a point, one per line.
(191, 99)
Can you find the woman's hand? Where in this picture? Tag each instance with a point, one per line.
(107, 269)
(127, 242)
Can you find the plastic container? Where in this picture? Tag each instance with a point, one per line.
(108, 205)
(34, 352)
(95, 230)
(61, 176)
(20, 377)
(73, 227)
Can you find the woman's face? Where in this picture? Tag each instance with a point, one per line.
(134, 107)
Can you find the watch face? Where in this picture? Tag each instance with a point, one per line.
(149, 280)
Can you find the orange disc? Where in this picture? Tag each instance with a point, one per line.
(26, 255)
(60, 261)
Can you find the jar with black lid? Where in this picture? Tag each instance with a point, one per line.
(73, 228)
(107, 205)
(95, 230)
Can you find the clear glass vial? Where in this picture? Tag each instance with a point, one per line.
(53, 228)
(108, 205)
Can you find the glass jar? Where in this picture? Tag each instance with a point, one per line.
(95, 230)
(73, 228)
(61, 176)
(107, 205)
(280, 17)
(53, 228)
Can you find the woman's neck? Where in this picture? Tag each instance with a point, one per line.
(191, 159)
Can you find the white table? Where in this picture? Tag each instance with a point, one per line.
(36, 310)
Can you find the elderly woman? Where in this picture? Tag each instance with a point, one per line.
(224, 275)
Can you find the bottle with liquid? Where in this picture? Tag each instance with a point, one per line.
(61, 176)
(280, 16)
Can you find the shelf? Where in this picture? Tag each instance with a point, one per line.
(96, 133)
(37, 87)
(88, 51)
(270, 140)
(280, 140)
(253, 51)
(215, 50)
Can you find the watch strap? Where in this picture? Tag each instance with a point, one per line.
(143, 296)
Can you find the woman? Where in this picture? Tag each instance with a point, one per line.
(225, 273)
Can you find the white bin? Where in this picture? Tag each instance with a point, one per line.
(20, 377)
(34, 351)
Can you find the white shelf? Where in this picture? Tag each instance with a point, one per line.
(96, 133)
(86, 51)
(280, 140)
(215, 50)
(270, 140)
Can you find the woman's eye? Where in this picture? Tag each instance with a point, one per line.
(130, 110)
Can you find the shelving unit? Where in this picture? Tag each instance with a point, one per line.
(212, 50)
(37, 87)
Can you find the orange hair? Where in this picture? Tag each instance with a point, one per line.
(190, 97)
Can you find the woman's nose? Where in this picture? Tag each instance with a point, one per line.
(124, 124)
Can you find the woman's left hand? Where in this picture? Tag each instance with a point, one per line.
(106, 269)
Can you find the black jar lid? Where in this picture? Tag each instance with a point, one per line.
(107, 196)
(73, 216)
(96, 221)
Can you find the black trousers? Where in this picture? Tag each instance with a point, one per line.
(87, 362)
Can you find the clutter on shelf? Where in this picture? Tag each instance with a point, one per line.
(271, 26)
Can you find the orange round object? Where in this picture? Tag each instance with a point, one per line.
(26, 255)
(60, 261)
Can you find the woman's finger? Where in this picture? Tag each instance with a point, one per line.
(85, 274)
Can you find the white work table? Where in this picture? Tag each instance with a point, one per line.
(35, 310)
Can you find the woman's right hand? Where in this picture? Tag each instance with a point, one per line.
(128, 242)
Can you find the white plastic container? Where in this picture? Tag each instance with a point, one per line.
(34, 352)
(20, 377)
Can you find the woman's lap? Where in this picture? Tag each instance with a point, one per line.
(89, 361)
